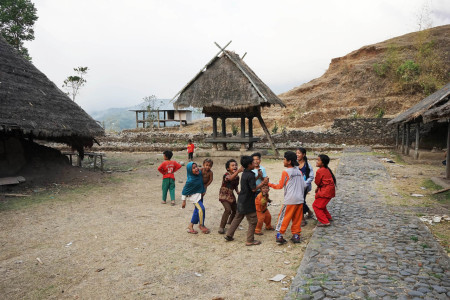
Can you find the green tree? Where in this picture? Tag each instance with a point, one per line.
(17, 19)
(72, 84)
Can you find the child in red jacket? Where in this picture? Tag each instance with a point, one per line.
(326, 189)
(167, 168)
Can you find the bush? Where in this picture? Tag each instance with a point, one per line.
(408, 71)
(381, 69)
(234, 129)
(380, 113)
(275, 128)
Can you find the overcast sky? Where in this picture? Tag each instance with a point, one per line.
(137, 48)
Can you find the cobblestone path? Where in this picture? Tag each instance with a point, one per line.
(371, 251)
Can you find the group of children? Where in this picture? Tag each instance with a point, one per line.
(252, 189)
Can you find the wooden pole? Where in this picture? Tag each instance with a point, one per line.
(407, 138)
(403, 138)
(143, 118)
(266, 131)
(447, 167)
(224, 132)
(250, 127)
(397, 136)
(137, 119)
(242, 127)
(214, 127)
(416, 150)
(157, 112)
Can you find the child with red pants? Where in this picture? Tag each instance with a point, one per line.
(326, 183)
(292, 210)
(263, 214)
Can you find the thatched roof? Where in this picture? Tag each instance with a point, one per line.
(227, 83)
(416, 113)
(438, 113)
(33, 106)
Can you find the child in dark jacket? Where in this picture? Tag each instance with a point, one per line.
(326, 189)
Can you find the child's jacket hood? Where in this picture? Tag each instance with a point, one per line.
(194, 183)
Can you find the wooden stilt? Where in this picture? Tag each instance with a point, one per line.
(214, 127)
(243, 127)
(143, 118)
(137, 119)
(157, 112)
(403, 138)
(269, 137)
(447, 167)
(224, 132)
(250, 132)
(407, 138)
(397, 136)
(416, 150)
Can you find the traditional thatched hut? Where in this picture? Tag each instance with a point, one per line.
(416, 115)
(227, 88)
(33, 107)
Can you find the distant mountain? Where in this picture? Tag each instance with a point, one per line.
(117, 119)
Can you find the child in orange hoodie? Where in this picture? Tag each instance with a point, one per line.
(326, 189)
(263, 214)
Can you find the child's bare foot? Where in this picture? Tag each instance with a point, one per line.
(172, 203)
(204, 229)
(323, 225)
(163, 202)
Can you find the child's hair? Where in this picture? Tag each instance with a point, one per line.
(208, 160)
(189, 141)
(246, 161)
(326, 160)
(257, 154)
(292, 157)
(308, 170)
(228, 163)
(168, 154)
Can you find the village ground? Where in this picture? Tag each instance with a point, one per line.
(106, 235)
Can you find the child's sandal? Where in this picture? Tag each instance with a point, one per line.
(192, 231)
(172, 203)
(163, 202)
(254, 243)
(205, 230)
(323, 225)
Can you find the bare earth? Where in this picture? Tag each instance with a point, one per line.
(115, 240)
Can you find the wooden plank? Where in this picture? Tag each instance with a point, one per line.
(9, 180)
(441, 191)
(15, 195)
(269, 137)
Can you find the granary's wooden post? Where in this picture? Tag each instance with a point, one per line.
(416, 150)
(243, 132)
(224, 132)
(447, 167)
(143, 119)
(403, 138)
(250, 131)
(214, 131)
(397, 136)
(158, 118)
(407, 138)
(137, 119)
(266, 131)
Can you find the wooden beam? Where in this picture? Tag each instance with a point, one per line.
(269, 137)
(243, 127)
(447, 167)
(416, 150)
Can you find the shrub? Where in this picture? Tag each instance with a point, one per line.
(234, 129)
(380, 113)
(275, 128)
(408, 71)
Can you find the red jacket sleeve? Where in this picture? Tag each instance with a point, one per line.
(177, 166)
(284, 179)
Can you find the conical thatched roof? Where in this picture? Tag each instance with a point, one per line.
(227, 83)
(32, 105)
(417, 112)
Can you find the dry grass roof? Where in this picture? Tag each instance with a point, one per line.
(228, 83)
(416, 113)
(439, 113)
(34, 106)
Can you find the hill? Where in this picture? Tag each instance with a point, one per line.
(377, 80)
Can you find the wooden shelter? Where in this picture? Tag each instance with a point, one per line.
(227, 88)
(162, 116)
(33, 107)
(435, 107)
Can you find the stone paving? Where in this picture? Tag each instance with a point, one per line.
(371, 251)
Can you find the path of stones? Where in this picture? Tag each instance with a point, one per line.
(371, 251)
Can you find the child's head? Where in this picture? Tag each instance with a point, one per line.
(231, 165)
(256, 159)
(189, 141)
(322, 161)
(247, 162)
(167, 155)
(195, 169)
(265, 190)
(301, 154)
(290, 159)
(207, 164)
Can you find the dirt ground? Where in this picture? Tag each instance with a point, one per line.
(111, 238)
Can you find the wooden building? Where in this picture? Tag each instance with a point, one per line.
(162, 116)
(227, 88)
(435, 107)
(34, 108)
